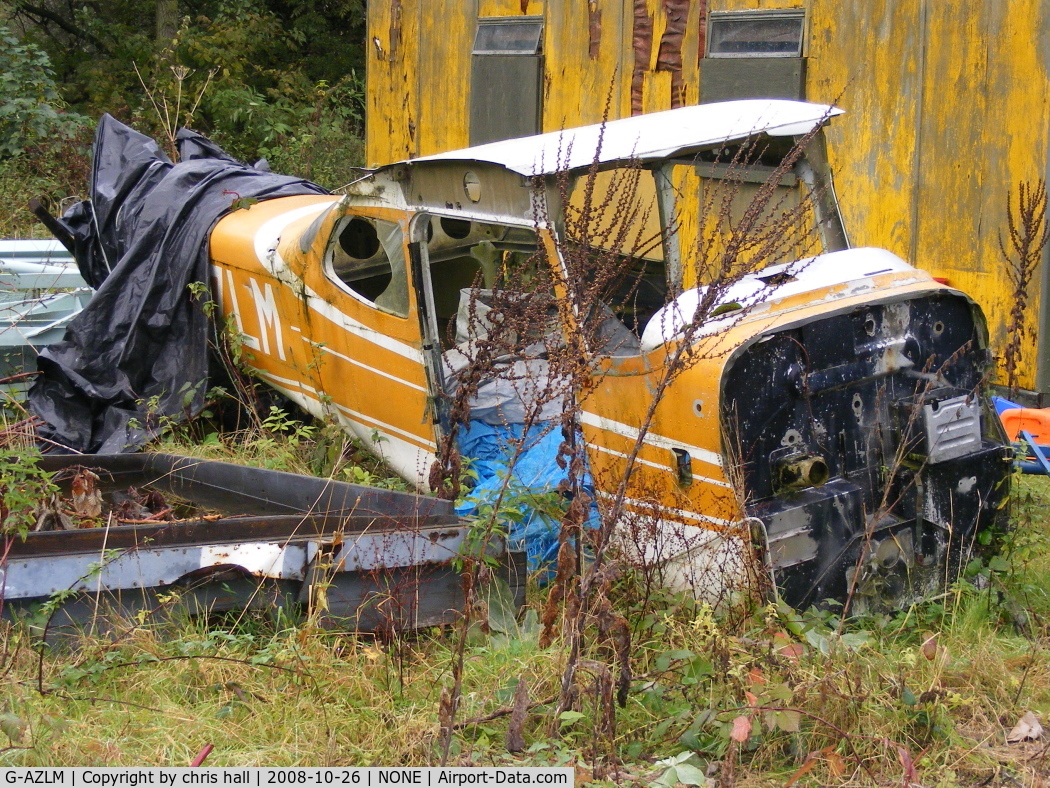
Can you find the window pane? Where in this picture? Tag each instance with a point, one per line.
(756, 35)
(508, 37)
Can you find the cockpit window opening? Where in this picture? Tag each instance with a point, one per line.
(468, 256)
(367, 257)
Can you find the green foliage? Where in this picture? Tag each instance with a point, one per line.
(42, 144)
(781, 697)
(685, 768)
(30, 107)
(274, 79)
(24, 488)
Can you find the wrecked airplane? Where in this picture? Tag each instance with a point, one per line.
(839, 428)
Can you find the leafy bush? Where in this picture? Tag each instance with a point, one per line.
(54, 170)
(30, 107)
(24, 490)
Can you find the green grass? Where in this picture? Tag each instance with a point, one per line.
(938, 685)
(284, 443)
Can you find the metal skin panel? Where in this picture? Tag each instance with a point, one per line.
(30, 578)
(36, 265)
(725, 79)
(327, 349)
(149, 567)
(504, 97)
(33, 313)
(649, 138)
(278, 537)
(503, 194)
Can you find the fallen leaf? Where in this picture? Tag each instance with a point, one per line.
(756, 677)
(87, 498)
(1026, 729)
(793, 651)
(804, 769)
(836, 765)
(741, 729)
(807, 766)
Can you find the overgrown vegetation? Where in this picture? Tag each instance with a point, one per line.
(922, 697)
(281, 441)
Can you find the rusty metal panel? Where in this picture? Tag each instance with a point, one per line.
(501, 193)
(669, 56)
(664, 37)
(642, 46)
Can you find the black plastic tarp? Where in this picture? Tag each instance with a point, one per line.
(137, 355)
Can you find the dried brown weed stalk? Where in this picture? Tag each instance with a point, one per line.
(1027, 234)
(563, 325)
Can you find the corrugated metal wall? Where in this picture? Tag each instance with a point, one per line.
(948, 104)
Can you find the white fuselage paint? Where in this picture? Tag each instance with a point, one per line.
(651, 438)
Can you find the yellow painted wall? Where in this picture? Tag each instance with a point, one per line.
(392, 97)
(567, 61)
(948, 108)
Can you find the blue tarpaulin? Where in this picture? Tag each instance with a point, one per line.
(490, 450)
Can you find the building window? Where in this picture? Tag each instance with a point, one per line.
(515, 35)
(505, 78)
(756, 33)
(754, 54)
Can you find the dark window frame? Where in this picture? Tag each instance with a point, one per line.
(506, 85)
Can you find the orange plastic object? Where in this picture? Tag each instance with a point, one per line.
(1034, 420)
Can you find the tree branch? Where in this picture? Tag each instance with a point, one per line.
(42, 15)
